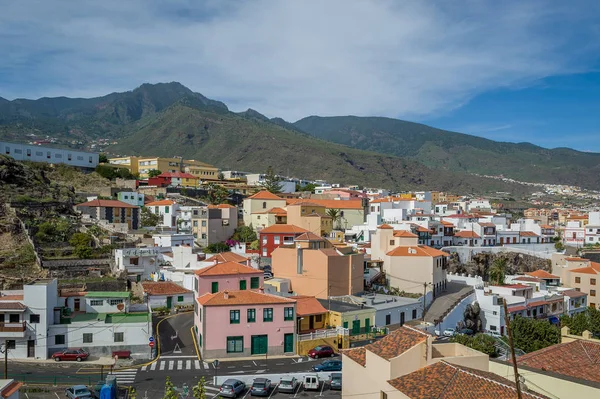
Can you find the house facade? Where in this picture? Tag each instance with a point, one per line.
(36, 153)
(276, 235)
(230, 276)
(111, 211)
(167, 294)
(168, 211)
(244, 323)
(131, 198)
(260, 202)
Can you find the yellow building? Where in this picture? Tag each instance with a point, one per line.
(143, 165)
(310, 216)
(130, 163)
(201, 170)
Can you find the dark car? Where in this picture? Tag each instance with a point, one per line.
(336, 381)
(70, 354)
(260, 387)
(231, 388)
(466, 331)
(321, 351)
(288, 385)
(329, 365)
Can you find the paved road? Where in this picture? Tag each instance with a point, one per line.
(446, 300)
(175, 336)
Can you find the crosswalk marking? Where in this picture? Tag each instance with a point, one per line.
(180, 365)
(162, 366)
(144, 368)
(125, 376)
(171, 364)
(188, 364)
(153, 367)
(205, 365)
(197, 364)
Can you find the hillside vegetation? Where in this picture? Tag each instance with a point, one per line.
(442, 149)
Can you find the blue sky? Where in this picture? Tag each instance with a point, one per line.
(512, 70)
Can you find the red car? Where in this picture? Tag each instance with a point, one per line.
(321, 351)
(70, 354)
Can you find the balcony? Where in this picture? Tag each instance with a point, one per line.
(13, 330)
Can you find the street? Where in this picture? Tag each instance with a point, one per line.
(178, 360)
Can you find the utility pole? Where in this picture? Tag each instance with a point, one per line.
(5, 351)
(424, 301)
(512, 350)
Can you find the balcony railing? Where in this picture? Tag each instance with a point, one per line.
(13, 327)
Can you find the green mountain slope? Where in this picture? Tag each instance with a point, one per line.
(442, 149)
(231, 140)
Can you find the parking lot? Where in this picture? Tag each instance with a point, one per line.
(324, 392)
(55, 393)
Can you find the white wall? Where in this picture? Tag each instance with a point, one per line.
(106, 307)
(456, 314)
(57, 155)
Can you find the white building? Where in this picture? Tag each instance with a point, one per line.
(258, 179)
(167, 209)
(139, 263)
(36, 153)
(167, 294)
(172, 240)
(131, 197)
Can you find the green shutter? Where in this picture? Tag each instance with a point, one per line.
(367, 324)
(254, 283)
(214, 287)
(242, 285)
(345, 324)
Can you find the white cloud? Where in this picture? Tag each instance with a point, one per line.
(293, 58)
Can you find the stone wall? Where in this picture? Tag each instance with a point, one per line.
(480, 264)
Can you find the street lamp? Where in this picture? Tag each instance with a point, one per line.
(216, 365)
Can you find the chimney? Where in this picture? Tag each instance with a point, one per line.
(299, 259)
(216, 261)
(261, 290)
(225, 295)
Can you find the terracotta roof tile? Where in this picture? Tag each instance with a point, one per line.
(447, 381)
(227, 257)
(275, 211)
(573, 293)
(528, 279)
(445, 223)
(542, 274)
(487, 224)
(227, 268)
(265, 195)
(585, 270)
(417, 250)
(220, 206)
(161, 203)
(357, 354)
(516, 286)
(332, 204)
(404, 234)
(283, 228)
(466, 234)
(107, 204)
(397, 342)
(245, 297)
(163, 288)
(385, 226)
(576, 259)
(528, 234)
(178, 175)
(12, 306)
(578, 359)
(308, 305)
(10, 389)
(308, 236)
(12, 297)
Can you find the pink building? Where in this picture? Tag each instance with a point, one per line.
(244, 323)
(231, 276)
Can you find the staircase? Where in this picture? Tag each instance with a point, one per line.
(503, 350)
(446, 301)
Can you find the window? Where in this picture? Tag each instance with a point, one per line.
(264, 252)
(166, 209)
(392, 242)
(288, 314)
(242, 285)
(119, 337)
(11, 344)
(235, 344)
(28, 152)
(48, 155)
(180, 298)
(251, 315)
(195, 223)
(234, 317)
(7, 150)
(69, 157)
(90, 160)
(254, 283)
(97, 302)
(264, 240)
(319, 318)
(114, 302)
(59, 339)
(277, 240)
(204, 223)
(268, 314)
(264, 205)
(34, 318)
(577, 280)
(493, 328)
(88, 338)
(214, 287)
(414, 314)
(204, 236)
(134, 261)
(592, 292)
(592, 281)
(14, 318)
(382, 395)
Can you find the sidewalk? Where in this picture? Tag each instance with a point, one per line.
(255, 357)
(103, 361)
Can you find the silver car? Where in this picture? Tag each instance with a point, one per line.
(79, 392)
(288, 385)
(231, 388)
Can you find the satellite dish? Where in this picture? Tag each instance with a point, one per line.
(121, 306)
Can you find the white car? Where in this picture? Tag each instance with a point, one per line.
(449, 332)
(495, 334)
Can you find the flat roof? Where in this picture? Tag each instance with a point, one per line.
(110, 318)
(108, 294)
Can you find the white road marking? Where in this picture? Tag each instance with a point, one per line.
(230, 367)
(171, 364)
(179, 357)
(153, 366)
(197, 364)
(57, 395)
(254, 362)
(179, 364)
(188, 364)
(162, 365)
(279, 364)
(205, 365)
(144, 368)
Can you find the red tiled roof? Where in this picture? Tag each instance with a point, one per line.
(11, 297)
(487, 224)
(220, 206)
(417, 250)
(579, 359)
(546, 226)
(357, 354)
(68, 294)
(12, 306)
(245, 297)
(528, 234)
(397, 342)
(447, 381)
(227, 257)
(308, 305)
(107, 204)
(542, 274)
(275, 211)
(10, 389)
(519, 308)
(466, 234)
(227, 268)
(576, 259)
(385, 226)
(265, 195)
(516, 286)
(163, 288)
(283, 228)
(160, 203)
(585, 270)
(332, 204)
(404, 234)
(308, 236)
(573, 293)
(528, 279)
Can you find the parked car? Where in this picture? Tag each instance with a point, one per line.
(336, 381)
(260, 387)
(321, 351)
(311, 382)
(288, 385)
(231, 388)
(268, 275)
(449, 332)
(79, 392)
(466, 331)
(328, 365)
(70, 354)
(495, 334)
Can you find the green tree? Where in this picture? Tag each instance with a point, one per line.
(154, 172)
(255, 245)
(221, 176)
(80, 239)
(170, 392)
(199, 390)
(216, 194)
(336, 217)
(589, 320)
(111, 173)
(244, 234)
(272, 182)
(148, 218)
(531, 335)
(497, 272)
(102, 158)
(480, 342)
(83, 252)
(309, 187)
(217, 247)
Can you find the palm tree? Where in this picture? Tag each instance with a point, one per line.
(498, 271)
(335, 215)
